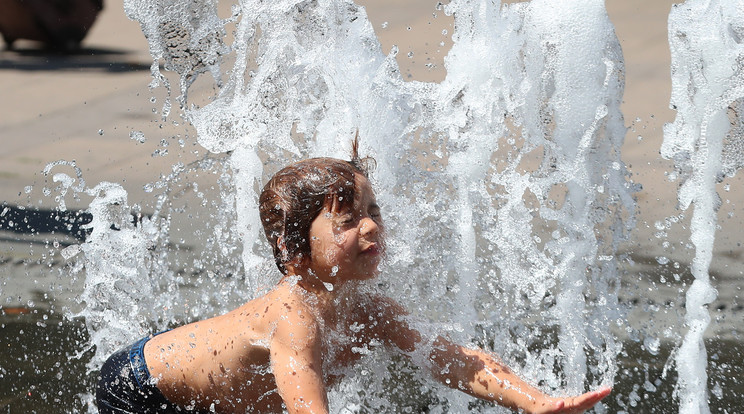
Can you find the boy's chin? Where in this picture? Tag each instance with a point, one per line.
(369, 274)
(361, 273)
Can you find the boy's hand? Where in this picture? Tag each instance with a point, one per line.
(571, 405)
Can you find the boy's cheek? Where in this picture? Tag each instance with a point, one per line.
(340, 239)
(332, 255)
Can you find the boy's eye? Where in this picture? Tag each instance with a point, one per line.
(346, 218)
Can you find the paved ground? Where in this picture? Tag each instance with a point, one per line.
(78, 107)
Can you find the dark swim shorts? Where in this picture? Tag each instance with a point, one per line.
(126, 386)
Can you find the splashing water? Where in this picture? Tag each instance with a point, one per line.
(705, 38)
(502, 187)
(119, 301)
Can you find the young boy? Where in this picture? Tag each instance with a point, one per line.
(274, 353)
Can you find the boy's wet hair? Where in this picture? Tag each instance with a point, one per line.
(296, 195)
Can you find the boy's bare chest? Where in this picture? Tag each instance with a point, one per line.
(347, 340)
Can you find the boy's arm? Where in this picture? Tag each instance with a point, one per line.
(482, 375)
(296, 362)
(476, 372)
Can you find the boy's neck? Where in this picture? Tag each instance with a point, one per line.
(327, 302)
(326, 292)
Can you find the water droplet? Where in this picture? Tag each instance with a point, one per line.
(138, 136)
(70, 251)
(717, 391)
(652, 345)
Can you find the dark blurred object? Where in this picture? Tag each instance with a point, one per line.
(59, 24)
(24, 220)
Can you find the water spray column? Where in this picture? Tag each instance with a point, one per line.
(553, 71)
(473, 123)
(116, 260)
(707, 80)
(582, 89)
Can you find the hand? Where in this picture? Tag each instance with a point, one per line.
(574, 405)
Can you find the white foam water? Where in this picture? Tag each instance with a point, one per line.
(502, 187)
(127, 286)
(704, 141)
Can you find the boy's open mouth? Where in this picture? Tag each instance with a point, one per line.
(373, 249)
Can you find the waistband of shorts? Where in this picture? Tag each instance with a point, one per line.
(137, 361)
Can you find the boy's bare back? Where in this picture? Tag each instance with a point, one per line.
(226, 360)
(230, 360)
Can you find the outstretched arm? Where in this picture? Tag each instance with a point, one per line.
(484, 376)
(477, 372)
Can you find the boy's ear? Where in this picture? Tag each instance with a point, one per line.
(282, 248)
(296, 263)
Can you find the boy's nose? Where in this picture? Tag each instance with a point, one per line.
(369, 226)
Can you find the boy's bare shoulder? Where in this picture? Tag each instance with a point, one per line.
(286, 314)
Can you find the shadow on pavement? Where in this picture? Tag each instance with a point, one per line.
(83, 59)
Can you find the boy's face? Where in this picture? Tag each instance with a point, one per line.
(345, 243)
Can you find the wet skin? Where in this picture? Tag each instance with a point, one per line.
(228, 360)
(275, 352)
